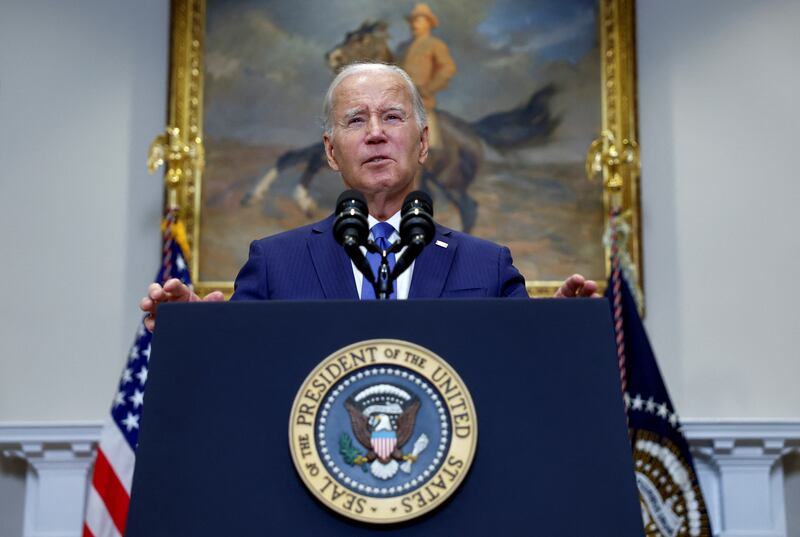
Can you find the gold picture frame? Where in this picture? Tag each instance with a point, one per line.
(612, 158)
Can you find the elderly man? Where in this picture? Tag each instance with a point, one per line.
(376, 137)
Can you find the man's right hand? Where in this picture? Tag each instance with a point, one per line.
(173, 290)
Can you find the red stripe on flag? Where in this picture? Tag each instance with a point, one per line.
(87, 532)
(110, 489)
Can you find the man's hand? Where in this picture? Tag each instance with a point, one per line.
(577, 286)
(173, 290)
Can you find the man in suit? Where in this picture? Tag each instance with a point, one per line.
(376, 137)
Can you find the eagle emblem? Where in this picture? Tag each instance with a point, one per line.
(379, 423)
(382, 417)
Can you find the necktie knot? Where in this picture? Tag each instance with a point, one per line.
(382, 230)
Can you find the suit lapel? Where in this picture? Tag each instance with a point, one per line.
(432, 266)
(333, 267)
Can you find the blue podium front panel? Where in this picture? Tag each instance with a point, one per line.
(552, 459)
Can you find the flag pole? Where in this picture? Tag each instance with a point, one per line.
(612, 160)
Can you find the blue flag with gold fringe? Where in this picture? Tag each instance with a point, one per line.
(671, 501)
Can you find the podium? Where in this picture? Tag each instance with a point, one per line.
(553, 457)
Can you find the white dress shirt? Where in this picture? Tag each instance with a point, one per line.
(403, 282)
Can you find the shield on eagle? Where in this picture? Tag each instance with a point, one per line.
(383, 443)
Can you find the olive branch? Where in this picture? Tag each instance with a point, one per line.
(351, 455)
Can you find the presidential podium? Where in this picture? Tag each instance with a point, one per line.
(552, 458)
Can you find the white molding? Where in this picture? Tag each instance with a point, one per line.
(742, 430)
(59, 457)
(740, 466)
(49, 432)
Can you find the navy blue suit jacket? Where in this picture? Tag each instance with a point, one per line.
(306, 264)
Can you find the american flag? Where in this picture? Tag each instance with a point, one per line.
(109, 494)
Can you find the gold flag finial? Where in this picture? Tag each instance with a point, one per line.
(180, 157)
(613, 160)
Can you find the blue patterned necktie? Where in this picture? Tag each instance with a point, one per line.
(380, 234)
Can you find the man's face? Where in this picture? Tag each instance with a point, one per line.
(376, 144)
(420, 26)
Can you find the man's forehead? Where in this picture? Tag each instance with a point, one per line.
(367, 89)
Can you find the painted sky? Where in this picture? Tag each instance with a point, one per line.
(265, 70)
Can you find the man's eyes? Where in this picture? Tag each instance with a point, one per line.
(390, 117)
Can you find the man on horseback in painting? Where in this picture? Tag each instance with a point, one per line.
(427, 61)
(376, 137)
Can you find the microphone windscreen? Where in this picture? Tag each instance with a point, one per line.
(349, 196)
(351, 226)
(419, 198)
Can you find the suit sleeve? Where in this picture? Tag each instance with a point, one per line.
(251, 283)
(510, 282)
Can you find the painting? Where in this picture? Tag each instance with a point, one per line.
(516, 91)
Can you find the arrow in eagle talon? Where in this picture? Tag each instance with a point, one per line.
(419, 447)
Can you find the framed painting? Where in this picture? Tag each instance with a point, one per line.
(536, 93)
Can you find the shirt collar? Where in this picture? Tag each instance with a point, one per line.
(393, 221)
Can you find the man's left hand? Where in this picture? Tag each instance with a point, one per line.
(577, 286)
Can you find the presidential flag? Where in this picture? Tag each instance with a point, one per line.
(669, 493)
(109, 494)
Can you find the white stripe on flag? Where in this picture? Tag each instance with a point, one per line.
(97, 518)
(118, 452)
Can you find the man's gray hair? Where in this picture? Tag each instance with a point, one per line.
(357, 68)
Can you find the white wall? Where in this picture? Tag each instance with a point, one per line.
(83, 89)
(719, 107)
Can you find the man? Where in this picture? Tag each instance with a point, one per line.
(427, 61)
(376, 137)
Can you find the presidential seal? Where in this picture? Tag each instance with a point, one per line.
(383, 431)
(670, 498)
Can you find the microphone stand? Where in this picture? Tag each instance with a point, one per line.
(384, 280)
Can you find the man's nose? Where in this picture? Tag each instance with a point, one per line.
(375, 132)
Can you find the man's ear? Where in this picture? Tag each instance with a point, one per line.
(423, 145)
(329, 154)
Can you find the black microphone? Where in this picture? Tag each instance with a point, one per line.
(416, 219)
(416, 228)
(351, 225)
(351, 228)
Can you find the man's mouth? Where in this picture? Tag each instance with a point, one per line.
(377, 159)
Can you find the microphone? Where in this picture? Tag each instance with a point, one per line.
(416, 219)
(416, 228)
(351, 228)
